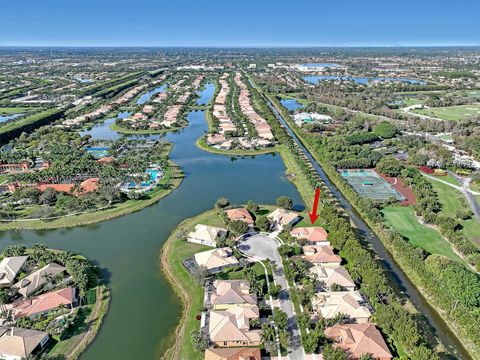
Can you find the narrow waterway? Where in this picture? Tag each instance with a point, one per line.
(402, 282)
(144, 310)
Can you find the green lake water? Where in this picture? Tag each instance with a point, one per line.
(144, 310)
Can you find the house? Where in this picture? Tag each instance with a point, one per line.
(359, 339)
(315, 235)
(241, 214)
(228, 293)
(216, 260)
(229, 328)
(86, 186)
(206, 235)
(9, 268)
(329, 276)
(14, 168)
(18, 344)
(233, 354)
(42, 304)
(281, 217)
(331, 304)
(37, 279)
(321, 255)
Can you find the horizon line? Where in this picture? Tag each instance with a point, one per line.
(245, 46)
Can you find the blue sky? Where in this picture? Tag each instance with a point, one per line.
(239, 23)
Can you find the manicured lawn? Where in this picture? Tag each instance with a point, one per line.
(452, 113)
(403, 220)
(449, 178)
(15, 110)
(450, 199)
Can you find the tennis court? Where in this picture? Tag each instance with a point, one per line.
(367, 183)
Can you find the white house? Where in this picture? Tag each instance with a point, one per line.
(206, 235)
(9, 268)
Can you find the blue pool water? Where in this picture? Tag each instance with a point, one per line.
(153, 174)
(98, 152)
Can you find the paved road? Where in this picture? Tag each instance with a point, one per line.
(263, 247)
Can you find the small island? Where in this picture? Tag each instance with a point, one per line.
(52, 303)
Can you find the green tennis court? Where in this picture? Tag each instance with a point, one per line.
(367, 183)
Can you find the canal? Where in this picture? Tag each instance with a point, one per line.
(402, 282)
(144, 310)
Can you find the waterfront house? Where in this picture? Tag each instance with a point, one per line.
(33, 282)
(216, 260)
(315, 235)
(359, 339)
(329, 276)
(18, 343)
(241, 353)
(42, 304)
(9, 268)
(241, 214)
(281, 217)
(321, 255)
(231, 328)
(228, 293)
(331, 304)
(206, 235)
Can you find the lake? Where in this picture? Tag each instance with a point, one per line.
(205, 94)
(144, 310)
(291, 104)
(6, 118)
(147, 96)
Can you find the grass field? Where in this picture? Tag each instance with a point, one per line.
(451, 200)
(451, 113)
(15, 110)
(403, 220)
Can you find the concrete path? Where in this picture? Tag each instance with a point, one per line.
(264, 247)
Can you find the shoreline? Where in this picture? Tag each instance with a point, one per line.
(120, 130)
(125, 208)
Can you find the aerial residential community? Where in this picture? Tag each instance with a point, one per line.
(281, 184)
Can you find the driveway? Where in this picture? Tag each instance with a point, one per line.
(263, 247)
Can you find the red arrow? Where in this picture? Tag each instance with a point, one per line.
(313, 215)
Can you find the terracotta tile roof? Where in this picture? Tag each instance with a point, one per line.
(233, 325)
(313, 234)
(42, 303)
(240, 214)
(233, 354)
(320, 254)
(232, 292)
(358, 339)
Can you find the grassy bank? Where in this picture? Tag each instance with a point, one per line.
(187, 289)
(173, 178)
(82, 335)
